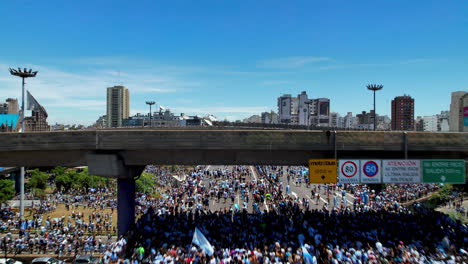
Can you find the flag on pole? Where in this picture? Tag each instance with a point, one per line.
(200, 240)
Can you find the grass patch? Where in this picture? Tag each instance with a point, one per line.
(62, 211)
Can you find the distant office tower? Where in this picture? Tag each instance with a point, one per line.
(456, 112)
(118, 105)
(38, 119)
(403, 113)
(285, 109)
(320, 112)
(10, 107)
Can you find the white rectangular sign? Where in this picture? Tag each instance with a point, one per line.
(348, 171)
(401, 171)
(371, 171)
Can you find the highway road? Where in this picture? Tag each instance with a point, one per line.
(297, 191)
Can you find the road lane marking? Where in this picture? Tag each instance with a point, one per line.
(339, 195)
(253, 173)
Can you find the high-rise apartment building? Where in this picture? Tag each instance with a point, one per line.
(320, 112)
(303, 111)
(285, 109)
(9, 107)
(456, 112)
(118, 105)
(403, 113)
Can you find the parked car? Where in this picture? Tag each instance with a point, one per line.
(85, 259)
(9, 261)
(47, 260)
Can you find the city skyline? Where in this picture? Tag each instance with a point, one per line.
(233, 61)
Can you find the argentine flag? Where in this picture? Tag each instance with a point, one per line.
(307, 257)
(200, 240)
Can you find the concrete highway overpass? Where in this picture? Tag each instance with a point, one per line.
(225, 147)
(123, 153)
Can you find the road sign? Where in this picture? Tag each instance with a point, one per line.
(401, 171)
(348, 171)
(371, 171)
(322, 171)
(443, 171)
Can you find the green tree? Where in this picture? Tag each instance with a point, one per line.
(38, 179)
(59, 170)
(145, 184)
(64, 181)
(7, 190)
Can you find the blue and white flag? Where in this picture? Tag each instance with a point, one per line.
(200, 240)
(24, 225)
(307, 257)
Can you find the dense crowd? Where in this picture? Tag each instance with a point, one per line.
(419, 236)
(62, 235)
(373, 228)
(250, 215)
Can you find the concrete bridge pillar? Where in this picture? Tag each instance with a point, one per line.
(111, 165)
(126, 205)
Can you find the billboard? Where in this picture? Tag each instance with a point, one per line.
(401, 171)
(465, 116)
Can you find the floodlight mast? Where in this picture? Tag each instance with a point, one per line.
(22, 74)
(374, 87)
(150, 103)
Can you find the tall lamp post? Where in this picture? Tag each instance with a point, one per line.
(374, 87)
(150, 103)
(23, 74)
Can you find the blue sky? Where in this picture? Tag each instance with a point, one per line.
(233, 58)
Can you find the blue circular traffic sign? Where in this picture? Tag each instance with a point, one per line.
(370, 168)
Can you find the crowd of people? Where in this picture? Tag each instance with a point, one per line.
(296, 236)
(65, 235)
(373, 228)
(250, 215)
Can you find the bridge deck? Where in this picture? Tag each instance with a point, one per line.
(201, 146)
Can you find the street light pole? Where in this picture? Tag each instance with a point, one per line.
(23, 74)
(374, 87)
(150, 103)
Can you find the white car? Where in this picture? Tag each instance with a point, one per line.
(9, 261)
(47, 260)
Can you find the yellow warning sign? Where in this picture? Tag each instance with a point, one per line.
(323, 171)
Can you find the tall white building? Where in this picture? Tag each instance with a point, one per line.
(336, 120)
(118, 105)
(349, 121)
(430, 123)
(303, 109)
(456, 115)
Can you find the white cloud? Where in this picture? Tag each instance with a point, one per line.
(60, 91)
(290, 62)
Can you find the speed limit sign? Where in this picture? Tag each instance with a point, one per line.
(371, 171)
(349, 171)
